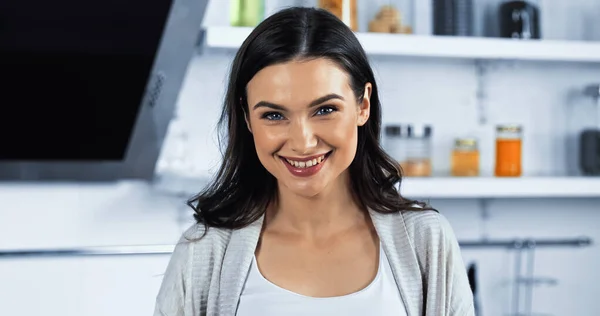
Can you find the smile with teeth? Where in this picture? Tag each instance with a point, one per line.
(306, 164)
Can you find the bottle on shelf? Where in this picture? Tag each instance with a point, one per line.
(345, 10)
(246, 12)
(583, 131)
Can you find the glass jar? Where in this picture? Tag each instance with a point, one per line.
(508, 150)
(247, 12)
(395, 142)
(345, 10)
(465, 158)
(417, 162)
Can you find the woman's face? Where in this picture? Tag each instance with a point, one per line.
(304, 118)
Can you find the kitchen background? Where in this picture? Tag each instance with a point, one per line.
(444, 84)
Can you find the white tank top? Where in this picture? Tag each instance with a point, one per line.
(260, 297)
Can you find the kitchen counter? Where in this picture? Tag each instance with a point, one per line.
(74, 215)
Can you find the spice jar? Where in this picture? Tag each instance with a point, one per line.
(395, 142)
(418, 152)
(508, 150)
(345, 10)
(465, 158)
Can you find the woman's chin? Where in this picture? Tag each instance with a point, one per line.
(306, 190)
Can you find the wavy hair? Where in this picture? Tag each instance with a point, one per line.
(242, 188)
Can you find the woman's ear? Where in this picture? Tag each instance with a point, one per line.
(247, 122)
(364, 108)
(246, 118)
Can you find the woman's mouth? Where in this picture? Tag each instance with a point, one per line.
(305, 167)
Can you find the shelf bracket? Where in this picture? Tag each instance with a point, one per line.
(481, 71)
(484, 212)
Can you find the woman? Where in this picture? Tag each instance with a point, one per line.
(303, 217)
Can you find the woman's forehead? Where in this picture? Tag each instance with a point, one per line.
(298, 80)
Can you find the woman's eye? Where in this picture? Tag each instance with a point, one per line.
(272, 116)
(325, 110)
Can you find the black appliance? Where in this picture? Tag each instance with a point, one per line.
(472, 277)
(589, 155)
(519, 19)
(88, 87)
(453, 17)
(589, 139)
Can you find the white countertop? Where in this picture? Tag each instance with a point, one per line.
(68, 215)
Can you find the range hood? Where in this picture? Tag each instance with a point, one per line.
(88, 88)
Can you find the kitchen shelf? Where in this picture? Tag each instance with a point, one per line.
(223, 37)
(441, 187)
(492, 187)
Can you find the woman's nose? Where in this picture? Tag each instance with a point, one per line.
(302, 138)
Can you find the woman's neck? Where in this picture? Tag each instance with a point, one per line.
(333, 210)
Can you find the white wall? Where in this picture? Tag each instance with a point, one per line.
(412, 90)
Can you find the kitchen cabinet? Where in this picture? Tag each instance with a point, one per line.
(75, 286)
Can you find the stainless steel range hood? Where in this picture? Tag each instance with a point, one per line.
(88, 88)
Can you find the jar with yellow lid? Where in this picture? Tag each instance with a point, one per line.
(465, 158)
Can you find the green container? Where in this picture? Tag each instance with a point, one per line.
(247, 12)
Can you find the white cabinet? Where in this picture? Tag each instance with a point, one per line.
(121, 285)
(50, 286)
(75, 286)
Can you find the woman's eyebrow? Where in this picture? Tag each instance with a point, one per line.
(266, 104)
(314, 103)
(324, 99)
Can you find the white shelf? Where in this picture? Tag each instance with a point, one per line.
(440, 187)
(442, 46)
(491, 187)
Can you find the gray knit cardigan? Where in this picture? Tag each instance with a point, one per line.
(206, 277)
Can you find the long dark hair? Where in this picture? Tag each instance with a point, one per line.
(243, 188)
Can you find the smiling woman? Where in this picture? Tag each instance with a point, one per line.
(303, 217)
(305, 110)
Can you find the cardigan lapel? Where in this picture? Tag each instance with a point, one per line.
(394, 238)
(236, 264)
(403, 260)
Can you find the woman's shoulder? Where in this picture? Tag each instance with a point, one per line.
(431, 236)
(199, 237)
(425, 229)
(427, 225)
(193, 256)
(423, 219)
(198, 245)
